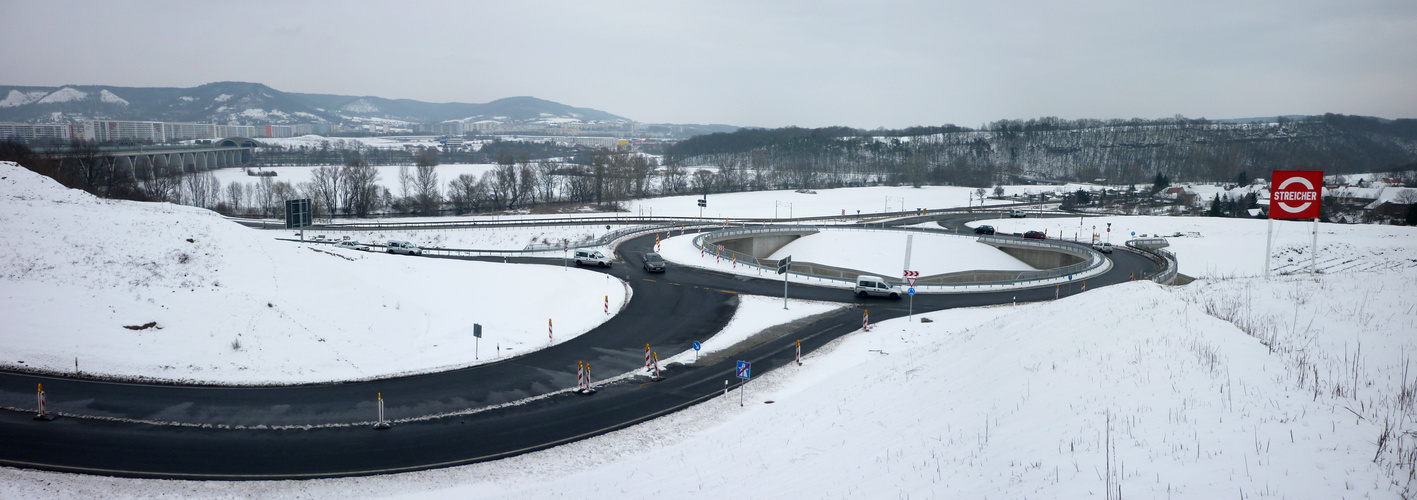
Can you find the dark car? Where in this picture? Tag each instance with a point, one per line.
(653, 262)
(984, 230)
(1035, 235)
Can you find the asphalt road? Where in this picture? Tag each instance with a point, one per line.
(322, 430)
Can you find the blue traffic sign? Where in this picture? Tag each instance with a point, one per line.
(910, 291)
(697, 346)
(745, 370)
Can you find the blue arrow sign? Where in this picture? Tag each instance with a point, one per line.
(910, 291)
(745, 369)
(697, 346)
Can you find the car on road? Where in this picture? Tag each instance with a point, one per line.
(403, 247)
(1102, 246)
(984, 230)
(1018, 214)
(653, 262)
(1036, 235)
(586, 256)
(352, 245)
(873, 285)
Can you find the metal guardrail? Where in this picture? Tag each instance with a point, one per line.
(1091, 259)
(1165, 258)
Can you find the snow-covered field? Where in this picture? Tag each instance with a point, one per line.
(231, 304)
(1208, 247)
(1296, 386)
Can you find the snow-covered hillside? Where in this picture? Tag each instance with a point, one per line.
(1296, 386)
(232, 304)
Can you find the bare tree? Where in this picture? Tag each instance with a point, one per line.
(467, 193)
(325, 188)
(426, 188)
(361, 187)
(234, 195)
(546, 181)
(674, 179)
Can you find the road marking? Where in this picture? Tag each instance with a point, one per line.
(647, 279)
(729, 291)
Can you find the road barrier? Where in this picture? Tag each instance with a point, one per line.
(1091, 262)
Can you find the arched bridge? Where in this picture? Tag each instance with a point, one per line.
(228, 152)
(219, 153)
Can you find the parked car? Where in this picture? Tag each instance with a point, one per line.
(1018, 214)
(403, 247)
(584, 256)
(653, 262)
(352, 245)
(1102, 246)
(873, 285)
(984, 230)
(1037, 235)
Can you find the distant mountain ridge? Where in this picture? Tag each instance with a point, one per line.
(258, 104)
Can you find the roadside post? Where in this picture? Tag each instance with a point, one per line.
(382, 424)
(910, 277)
(910, 310)
(43, 407)
(783, 266)
(745, 370)
(656, 367)
(649, 364)
(865, 320)
(697, 346)
(799, 352)
(477, 334)
(548, 331)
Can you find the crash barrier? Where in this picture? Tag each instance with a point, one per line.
(1151, 248)
(1089, 262)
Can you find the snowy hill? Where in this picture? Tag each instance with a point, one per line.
(254, 103)
(231, 304)
(1296, 386)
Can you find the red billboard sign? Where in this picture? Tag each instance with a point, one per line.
(1295, 194)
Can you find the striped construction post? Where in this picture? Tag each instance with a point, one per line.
(656, 366)
(1056, 290)
(580, 375)
(648, 365)
(799, 352)
(587, 388)
(43, 406)
(1132, 275)
(656, 242)
(735, 261)
(607, 304)
(548, 331)
(865, 319)
(1084, 285)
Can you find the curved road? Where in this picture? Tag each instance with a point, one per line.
(322, 430)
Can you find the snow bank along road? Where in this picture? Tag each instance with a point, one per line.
(441, 419)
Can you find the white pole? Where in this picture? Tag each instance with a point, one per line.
(1268, 240)
(1314, 255)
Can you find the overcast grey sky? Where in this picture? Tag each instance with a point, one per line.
(756, 63)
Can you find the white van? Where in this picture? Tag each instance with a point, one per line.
(1018, 214)
(586, 256)
(874, 285)
(403, 247)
